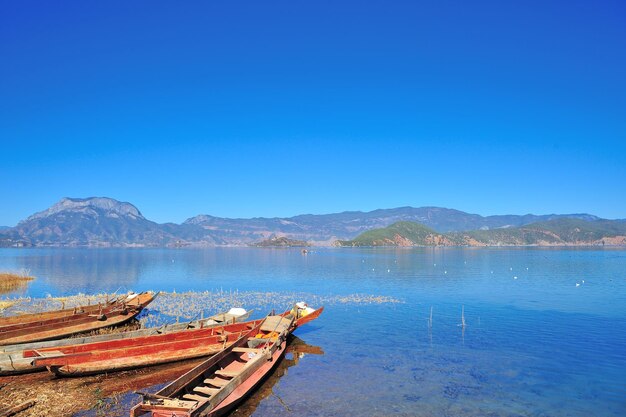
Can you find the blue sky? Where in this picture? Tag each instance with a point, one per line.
(246, 109)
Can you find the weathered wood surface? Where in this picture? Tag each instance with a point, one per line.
(168, 328)
(216, 384)
(58, 327)
(16, 409)
(137, 352)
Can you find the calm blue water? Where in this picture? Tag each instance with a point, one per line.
(535, 344)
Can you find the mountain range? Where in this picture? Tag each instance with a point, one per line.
(106, 222)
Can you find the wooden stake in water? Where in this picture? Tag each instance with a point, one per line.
(430, 319)
(463, 316)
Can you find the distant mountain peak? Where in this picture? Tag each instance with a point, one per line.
(109, 206)
(200, 219)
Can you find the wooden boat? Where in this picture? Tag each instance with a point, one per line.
(142, 378)
(128, 353)
(218, 384)
(9, 322)
(12, 360)
(117, 355)
(62, 323)
(215, 386)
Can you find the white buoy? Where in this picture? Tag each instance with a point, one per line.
(514, 277)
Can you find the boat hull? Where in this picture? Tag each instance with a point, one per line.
(12, 360)
(138, 352)
(59, 327)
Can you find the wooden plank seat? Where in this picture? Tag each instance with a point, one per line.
(227, 374)
(216, 382)
(206, 390)
(194, 397)
(244, 349)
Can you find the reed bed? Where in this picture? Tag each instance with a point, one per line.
(193, 305)
(25, 305)
(11, 281)
(170, 307)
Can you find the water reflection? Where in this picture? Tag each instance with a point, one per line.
(90, 271)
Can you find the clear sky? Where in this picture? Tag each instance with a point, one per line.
(244, 109)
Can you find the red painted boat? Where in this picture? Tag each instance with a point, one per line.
(12, 360)
(48, 326)
(218, 384)
(128, 353)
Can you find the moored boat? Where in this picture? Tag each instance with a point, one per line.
(218, 384)
(137, 352)
(215, 386)
(21, 320)
(12, 360)
(61, 323)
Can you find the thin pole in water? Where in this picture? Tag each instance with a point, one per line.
(463, 316)
(430, 319)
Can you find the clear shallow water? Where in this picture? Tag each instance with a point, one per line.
(535, 345)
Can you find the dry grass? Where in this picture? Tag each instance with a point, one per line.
(11, 281)
(6, 304)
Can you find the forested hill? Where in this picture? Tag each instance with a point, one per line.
(561, 231)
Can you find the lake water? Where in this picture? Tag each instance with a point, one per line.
(534, 344)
